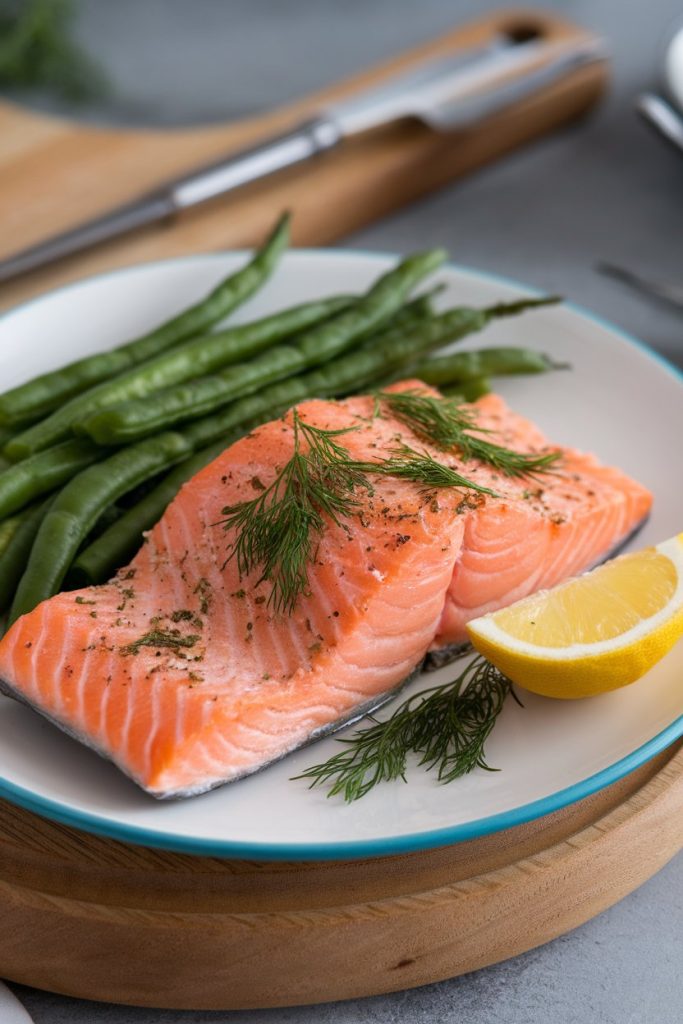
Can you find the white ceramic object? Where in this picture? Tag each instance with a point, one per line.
(618, 400)
(11, 1010)
(673, 67)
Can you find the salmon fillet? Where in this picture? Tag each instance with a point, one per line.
(539, 532)
(179, 671)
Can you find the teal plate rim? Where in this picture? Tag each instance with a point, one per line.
(355, 849)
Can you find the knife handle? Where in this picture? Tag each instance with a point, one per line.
(306, 140)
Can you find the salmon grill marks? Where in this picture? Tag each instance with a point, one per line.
(181, 672)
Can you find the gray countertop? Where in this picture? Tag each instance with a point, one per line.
(605, 188)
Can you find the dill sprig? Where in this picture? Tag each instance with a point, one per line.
(447, 726)
(421, 467)
(445, 423)
(279, 530)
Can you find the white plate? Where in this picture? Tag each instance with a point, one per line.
(618, 400)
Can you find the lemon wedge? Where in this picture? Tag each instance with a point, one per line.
(594, 632)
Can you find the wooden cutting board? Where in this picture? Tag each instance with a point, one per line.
(55, 174)
(98, 919)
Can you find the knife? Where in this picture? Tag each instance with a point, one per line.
(446, 94)
(665, 291)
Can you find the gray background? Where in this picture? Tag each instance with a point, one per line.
(605, 188)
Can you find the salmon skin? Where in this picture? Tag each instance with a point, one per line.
(180, 672)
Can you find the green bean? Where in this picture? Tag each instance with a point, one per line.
(109, 516)
(484, 362)
(394, 350)
(16, 554)
(477, 388)
(5, 436)
(77, 508)
(7, 530)
(138, 418)
(42, 473)
(94, 489)
(278, 362)
(467, 390)
(47, 392)
(416, 311)
(413, 314)
(395, 346)
(193, 358)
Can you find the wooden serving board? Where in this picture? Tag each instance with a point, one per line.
(55, 174)
(98, 919)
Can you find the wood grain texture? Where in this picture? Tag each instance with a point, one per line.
(54, 174)
(99, 919)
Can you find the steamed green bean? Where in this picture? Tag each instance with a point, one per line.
(387, 351)
(138, 418)
(77, 508)
(193, 358)
(467, 390)
(5, 436)
(21, 483)
(14, 557)
(51, 390)
(7, 530)
(484, 362)
(376, 335)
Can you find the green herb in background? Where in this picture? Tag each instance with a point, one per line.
(36, 50)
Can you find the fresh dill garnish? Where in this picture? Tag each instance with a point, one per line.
(421, 467)
(279, 530)
(445, 423)
(446, 726)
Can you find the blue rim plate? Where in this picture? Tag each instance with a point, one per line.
(550, 753)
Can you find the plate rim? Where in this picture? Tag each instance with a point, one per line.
(361, 848)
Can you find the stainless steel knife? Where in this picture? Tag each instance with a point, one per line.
(446, 94)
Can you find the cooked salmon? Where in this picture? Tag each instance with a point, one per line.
(539, 532)
(182, 674)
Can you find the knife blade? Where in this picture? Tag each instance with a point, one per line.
(664, 291)
(445, 94)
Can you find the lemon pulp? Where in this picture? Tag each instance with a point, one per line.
(605, 604)
(594, 633)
